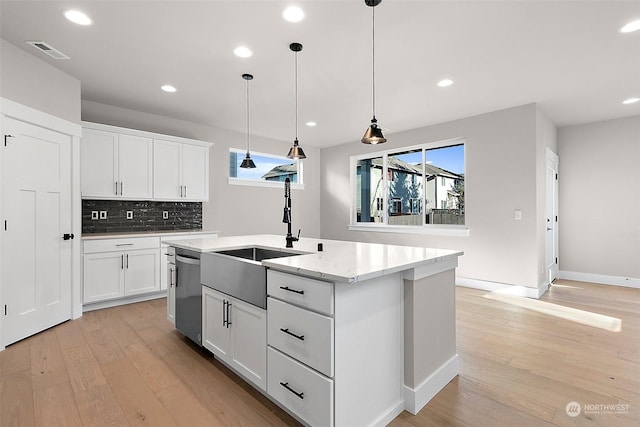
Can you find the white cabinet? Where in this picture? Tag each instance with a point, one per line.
(168, 280)
(117, 268)
(115, 165)
(181, 171)
(235, 332)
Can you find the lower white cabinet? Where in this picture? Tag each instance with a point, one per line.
(117, 274)
(236, 333)
(169, 280)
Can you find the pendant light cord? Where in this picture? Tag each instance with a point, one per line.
(373, 57)
(248, 132)
(296, 80)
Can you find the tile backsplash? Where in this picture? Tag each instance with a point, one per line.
(143, 216)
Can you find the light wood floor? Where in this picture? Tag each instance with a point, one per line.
(518, 367)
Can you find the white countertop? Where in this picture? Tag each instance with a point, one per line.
(340, 261)
(167, 234)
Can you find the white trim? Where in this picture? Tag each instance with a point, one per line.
(267, 184)
(145, 134)
(121, 301)
(504, 288)
(390, 414)
(39, 118)
(434, 230)
(416, 399)
(602, 279)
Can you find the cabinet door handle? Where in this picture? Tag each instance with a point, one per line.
(224, 310)
(121, 185)
(286, 385)
(185, 191)
(286, 331)
(116, 188)
(228, 313)
(288, 289)
(171, 277)
(122, 262)
(127, 261)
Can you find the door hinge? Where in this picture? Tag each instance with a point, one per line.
(5, 139)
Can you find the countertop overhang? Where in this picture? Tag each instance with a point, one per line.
(341, 261)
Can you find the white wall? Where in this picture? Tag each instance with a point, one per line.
(599, 192)
(232, 209)
(502, 150)
(30, 81)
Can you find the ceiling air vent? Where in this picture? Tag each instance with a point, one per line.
(48, 49)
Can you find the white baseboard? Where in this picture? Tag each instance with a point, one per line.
(628, 282)
(517, 290)
(415, 399)
(116, 302)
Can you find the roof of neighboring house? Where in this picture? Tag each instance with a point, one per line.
(431, 170)
(290, 169)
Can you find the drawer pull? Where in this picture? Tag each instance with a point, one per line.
(286, 385)
(286, 288)
(286, 331)
(124, 244)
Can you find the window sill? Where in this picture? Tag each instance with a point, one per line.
(434, 230)
(268, 184)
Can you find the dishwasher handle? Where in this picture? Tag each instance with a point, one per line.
(187, 260)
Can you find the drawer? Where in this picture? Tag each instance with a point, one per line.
(304, 392)
(169, 252)
(301, 334)
(125, 244)
(313, 294)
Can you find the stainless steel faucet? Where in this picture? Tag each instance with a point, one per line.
(287, 213)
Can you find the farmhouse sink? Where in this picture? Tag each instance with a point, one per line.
(239, 272)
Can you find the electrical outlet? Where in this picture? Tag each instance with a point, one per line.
(94, 214)
(165, 215)
(103, 214)
(517, 214)
(129, 214)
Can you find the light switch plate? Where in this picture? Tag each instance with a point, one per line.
(129, 214)
(94, 214)
(165, 215)
(517, 214)
(103, 214)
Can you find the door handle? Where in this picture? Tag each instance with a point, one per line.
(549, 228)
(67, 236)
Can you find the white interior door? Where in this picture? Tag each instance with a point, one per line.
(36, 277)
(552, 217)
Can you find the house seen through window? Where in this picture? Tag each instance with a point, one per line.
(420, 186)
(270, 169)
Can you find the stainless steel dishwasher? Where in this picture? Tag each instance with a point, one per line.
(189, 295)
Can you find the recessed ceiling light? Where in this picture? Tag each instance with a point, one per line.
(311, 124)
(168, 88)
(445, 82)
(293, 14)
(631, 101)
(242, 52)
(77, 17)
(631, 27)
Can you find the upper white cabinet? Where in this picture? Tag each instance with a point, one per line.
(181, 171)
(137, 165)
(115, 165)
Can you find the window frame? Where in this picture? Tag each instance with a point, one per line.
(262, 183)
(433, 229)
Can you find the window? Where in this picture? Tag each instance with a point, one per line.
(419, 186)
(270, 170)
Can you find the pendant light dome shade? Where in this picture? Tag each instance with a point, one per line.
(247, 163)
(296, 152)
(373, 134)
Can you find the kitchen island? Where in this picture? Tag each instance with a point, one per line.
(353, 334)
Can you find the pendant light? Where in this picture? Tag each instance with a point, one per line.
(373, 135)
(247, 163)
(296, 152)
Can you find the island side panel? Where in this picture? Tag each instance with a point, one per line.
(369, 351)
(430, 358)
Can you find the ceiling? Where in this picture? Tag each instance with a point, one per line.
(567, 56)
